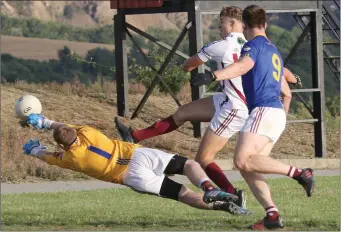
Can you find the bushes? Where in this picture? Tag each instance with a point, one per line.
(68, 11)
(174, 76)
(99, 63)
(65, 69)
(51, 30)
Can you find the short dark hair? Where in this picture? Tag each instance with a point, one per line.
(64, 135)
(254, 16)
(232, 12)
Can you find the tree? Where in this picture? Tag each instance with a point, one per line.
(101, 62)
(333, 105)
(68, 11)
(174, 76)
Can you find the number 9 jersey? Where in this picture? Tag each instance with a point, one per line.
(262, 84)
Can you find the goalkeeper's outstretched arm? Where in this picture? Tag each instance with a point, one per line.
(54, 125)
(35, 149)
(39, 121)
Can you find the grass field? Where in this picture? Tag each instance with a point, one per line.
(123, 209)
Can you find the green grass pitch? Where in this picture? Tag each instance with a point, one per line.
(124, 209)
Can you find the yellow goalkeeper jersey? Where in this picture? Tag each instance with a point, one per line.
(96, 155)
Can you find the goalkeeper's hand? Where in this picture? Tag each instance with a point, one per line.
(39, 121)
(33, 148)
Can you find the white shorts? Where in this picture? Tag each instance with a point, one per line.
(145, 170)
(266, 121)
(226, 120)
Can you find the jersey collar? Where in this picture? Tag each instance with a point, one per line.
(264, 35)
(75, 143)
(235, 33)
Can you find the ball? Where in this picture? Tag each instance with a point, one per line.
(26, 105)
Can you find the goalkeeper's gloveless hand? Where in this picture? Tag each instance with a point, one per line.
(203, 79)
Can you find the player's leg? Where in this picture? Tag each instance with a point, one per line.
(173, 190)
(182, 166)
(215, 198)
(261, 191)
(199, 110)
(143, 175)
(247, 156)
(255, 141)
(257, 183)
(209, 146)
(170, 164)
(259, 132)
(225, 123)
(188, 197)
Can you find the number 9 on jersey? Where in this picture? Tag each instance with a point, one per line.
(276, 62)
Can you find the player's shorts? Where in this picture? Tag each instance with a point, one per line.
(226, 120)
(146, 170)
(266, 121)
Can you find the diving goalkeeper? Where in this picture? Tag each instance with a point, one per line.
(88, 151)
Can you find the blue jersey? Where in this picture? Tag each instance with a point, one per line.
(262, 84)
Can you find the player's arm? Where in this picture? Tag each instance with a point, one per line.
(292, 78)
(39, 121)
(289, 76)
(246, 62)
(35, 149)
(285, 94)
(212, 51)
(248, 57)
(192, 63)
(59, 159)
(239, 68)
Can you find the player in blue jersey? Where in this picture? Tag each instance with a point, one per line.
(261, 68)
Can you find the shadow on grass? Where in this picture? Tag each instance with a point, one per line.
(144, 223)
(138, 223)
(183, 224)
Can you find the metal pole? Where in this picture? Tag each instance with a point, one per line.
(160, 43)
(162, 69)
(155, 40)
(298, 43)
(156, 71)
(318, 81)
(196, 42)
(121, 64)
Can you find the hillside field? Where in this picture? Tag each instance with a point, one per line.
(95, 105)
(44, 49)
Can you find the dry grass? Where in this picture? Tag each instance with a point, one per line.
(95, 105)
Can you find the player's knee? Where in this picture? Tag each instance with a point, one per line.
(191, 165)
(203, 161)
(176, 165)
(180, 116)
(183, 193)
(241, 163)
(170, 189)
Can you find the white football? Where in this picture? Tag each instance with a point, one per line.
(27, 105)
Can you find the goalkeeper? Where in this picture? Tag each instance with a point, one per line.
(88, 151)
